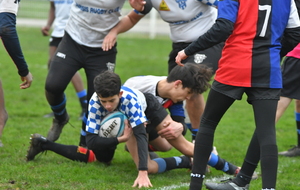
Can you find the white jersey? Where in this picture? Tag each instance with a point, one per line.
(188, 19)
(146, 84)
(9, 6)
(90, 21)
(62, 11)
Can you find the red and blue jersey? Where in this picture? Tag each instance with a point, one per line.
(251, 55)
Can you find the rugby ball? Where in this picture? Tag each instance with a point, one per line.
(112, 125)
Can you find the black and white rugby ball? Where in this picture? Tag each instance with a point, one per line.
(112, 125)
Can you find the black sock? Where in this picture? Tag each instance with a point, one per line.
(225, 166)
(83, 103)
(72, 152)
(241, 179)
(60, 112)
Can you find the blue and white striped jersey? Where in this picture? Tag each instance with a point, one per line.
(132, 104)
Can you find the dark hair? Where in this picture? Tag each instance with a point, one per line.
(107, 84)
(193, 76)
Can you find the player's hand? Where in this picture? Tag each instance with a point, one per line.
(109, 41)
(137, 4)
(27, 80)
(45, 30)
(180, 56)
(142, 180)
(127, 132)
(171, 130)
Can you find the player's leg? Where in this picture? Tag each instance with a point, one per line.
(52, 49)
(76, 79)
(3, 113)
(62, 68)
(297, 115)
(194, 107)
(295, 150)
(217, 104)
(291, 90)
(159, 144)
(283, 103)
(264, 114)
(158, 116)
(97, 62)
(158, 165)
(80, 92)
(39, 144)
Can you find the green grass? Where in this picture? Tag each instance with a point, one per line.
(38, 9)
(136, 56)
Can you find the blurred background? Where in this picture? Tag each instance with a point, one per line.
(34, 13)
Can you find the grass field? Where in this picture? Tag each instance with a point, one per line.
(136, 56)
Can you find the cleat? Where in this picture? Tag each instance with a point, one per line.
(35, 146)
(56, 129)
(293, 152)
(225, 185)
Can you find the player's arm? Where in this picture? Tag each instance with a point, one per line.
(218, 33)
(141, 6)
(51, 17)
(177, 114)
(140, 134)
(180, 119)
(142, 179)
(12, 45)
(174, 125)
(94, 141)
(125, 24)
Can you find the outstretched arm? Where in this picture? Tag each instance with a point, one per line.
(126, 23)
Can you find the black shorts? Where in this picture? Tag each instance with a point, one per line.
(155, 114)
(253, 93)
(209, 57)
(106, 154)
(291, 78)
(54, 41)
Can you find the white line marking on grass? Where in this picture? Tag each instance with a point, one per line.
(173, 186)
(213, 179)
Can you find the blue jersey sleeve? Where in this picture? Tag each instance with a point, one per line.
(176, 110)
(228, 9)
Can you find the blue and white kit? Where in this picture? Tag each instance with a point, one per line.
(132, 104)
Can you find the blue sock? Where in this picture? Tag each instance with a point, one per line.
(213, 160)
(162, 165)
(81, 94)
